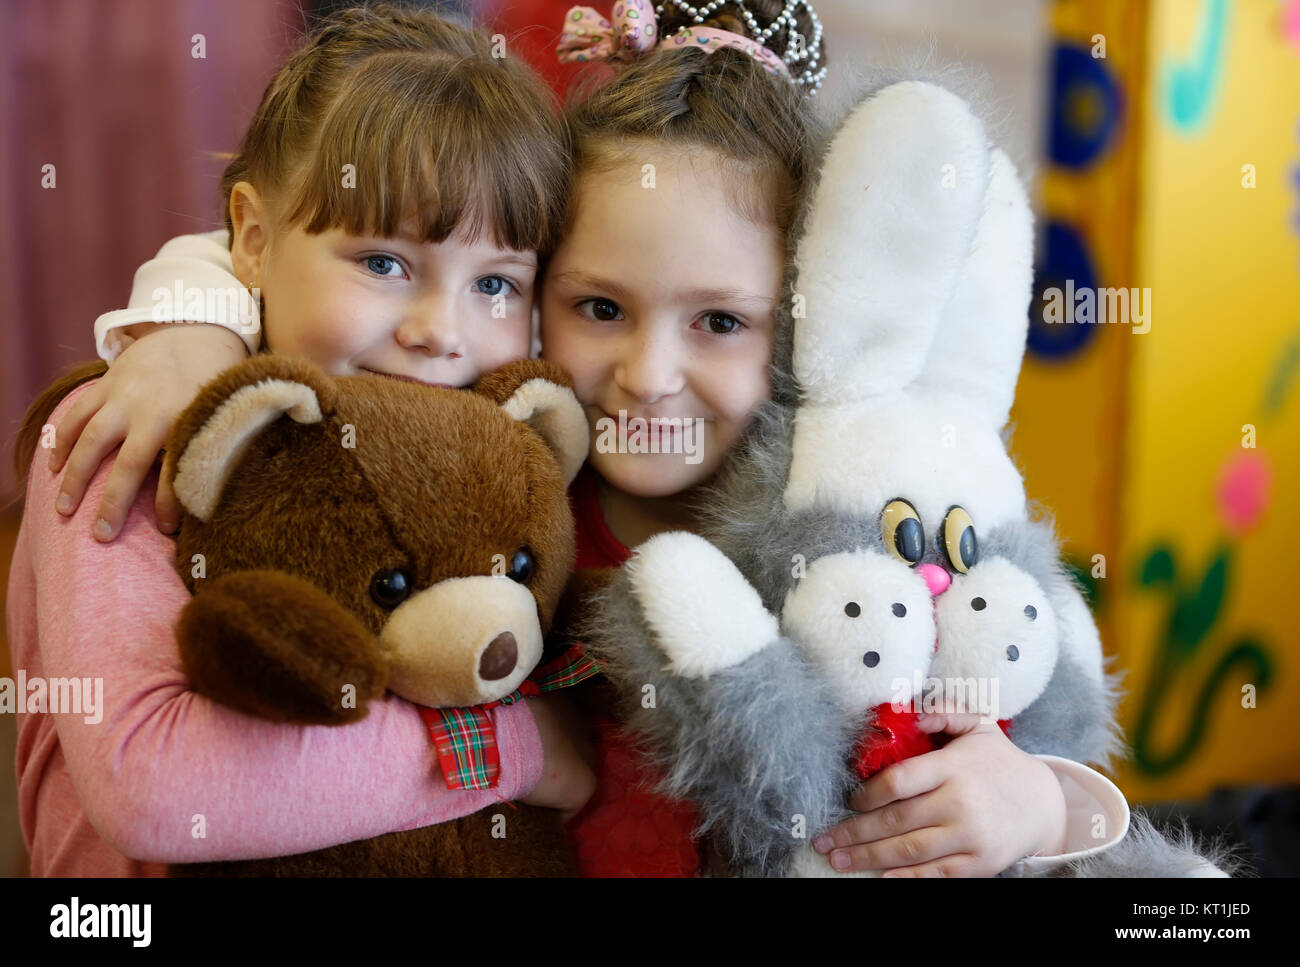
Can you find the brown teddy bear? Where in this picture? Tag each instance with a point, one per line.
(346, 535)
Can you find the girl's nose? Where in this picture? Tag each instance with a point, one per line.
(432, 325)
(650, 370)
(936, 578)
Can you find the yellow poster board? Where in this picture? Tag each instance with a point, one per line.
(1172, 456)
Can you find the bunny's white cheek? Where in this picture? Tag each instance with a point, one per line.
(868, 621)
(997, 635)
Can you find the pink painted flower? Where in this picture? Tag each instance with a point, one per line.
(1291, 23)
(1243, 490)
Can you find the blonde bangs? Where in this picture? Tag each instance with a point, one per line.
(436, 146)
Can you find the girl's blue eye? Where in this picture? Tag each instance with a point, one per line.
(603, 310)
(383, 265)
(722, 323)
(492, 284)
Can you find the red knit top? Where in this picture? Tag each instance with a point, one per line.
(625, 829)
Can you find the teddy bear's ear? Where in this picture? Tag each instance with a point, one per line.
(214, 433)
(540, 394)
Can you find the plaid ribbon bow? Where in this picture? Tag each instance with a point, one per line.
(464, 737)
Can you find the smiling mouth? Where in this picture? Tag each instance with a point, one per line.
(664, 424)
(660, 434)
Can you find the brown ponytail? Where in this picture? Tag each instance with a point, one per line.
(38, 414)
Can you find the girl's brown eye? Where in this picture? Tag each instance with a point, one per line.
(603, 309)
(722, 324)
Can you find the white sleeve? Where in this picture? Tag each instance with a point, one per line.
(191, 279)
(1097, 815)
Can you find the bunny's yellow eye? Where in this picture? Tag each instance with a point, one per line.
(957, 538)
(901, 528)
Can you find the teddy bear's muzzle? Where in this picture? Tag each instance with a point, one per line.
(463, 641)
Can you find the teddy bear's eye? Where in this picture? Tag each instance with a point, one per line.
(901, 528)
(957, 539)
(521, 566)
(390, 587)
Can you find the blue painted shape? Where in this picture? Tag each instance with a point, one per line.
(1086, 107)
(1065, 257)
(1190, 85)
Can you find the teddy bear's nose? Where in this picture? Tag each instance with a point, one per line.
(499, 658)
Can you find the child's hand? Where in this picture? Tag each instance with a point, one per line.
(135, 404)
(568, 779)
(972, 808)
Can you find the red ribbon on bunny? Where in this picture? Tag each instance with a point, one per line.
(893, 736)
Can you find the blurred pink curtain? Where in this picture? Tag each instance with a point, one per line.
(113, 95)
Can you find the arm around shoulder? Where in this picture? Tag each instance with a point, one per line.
(191, 279)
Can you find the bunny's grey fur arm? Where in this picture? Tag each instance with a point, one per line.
(752, 757)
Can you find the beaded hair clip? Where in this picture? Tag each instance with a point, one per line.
(632, 31)
(801, 56)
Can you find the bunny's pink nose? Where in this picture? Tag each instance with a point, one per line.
(936, 578)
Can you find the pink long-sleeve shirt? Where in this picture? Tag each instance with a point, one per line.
(123, 795)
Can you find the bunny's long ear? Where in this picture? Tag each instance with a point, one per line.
(977, 352)
(889, 227)
(216, 430)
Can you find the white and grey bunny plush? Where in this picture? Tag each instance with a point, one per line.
(872, 531)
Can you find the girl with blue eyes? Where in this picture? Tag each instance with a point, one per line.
(420, 270)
